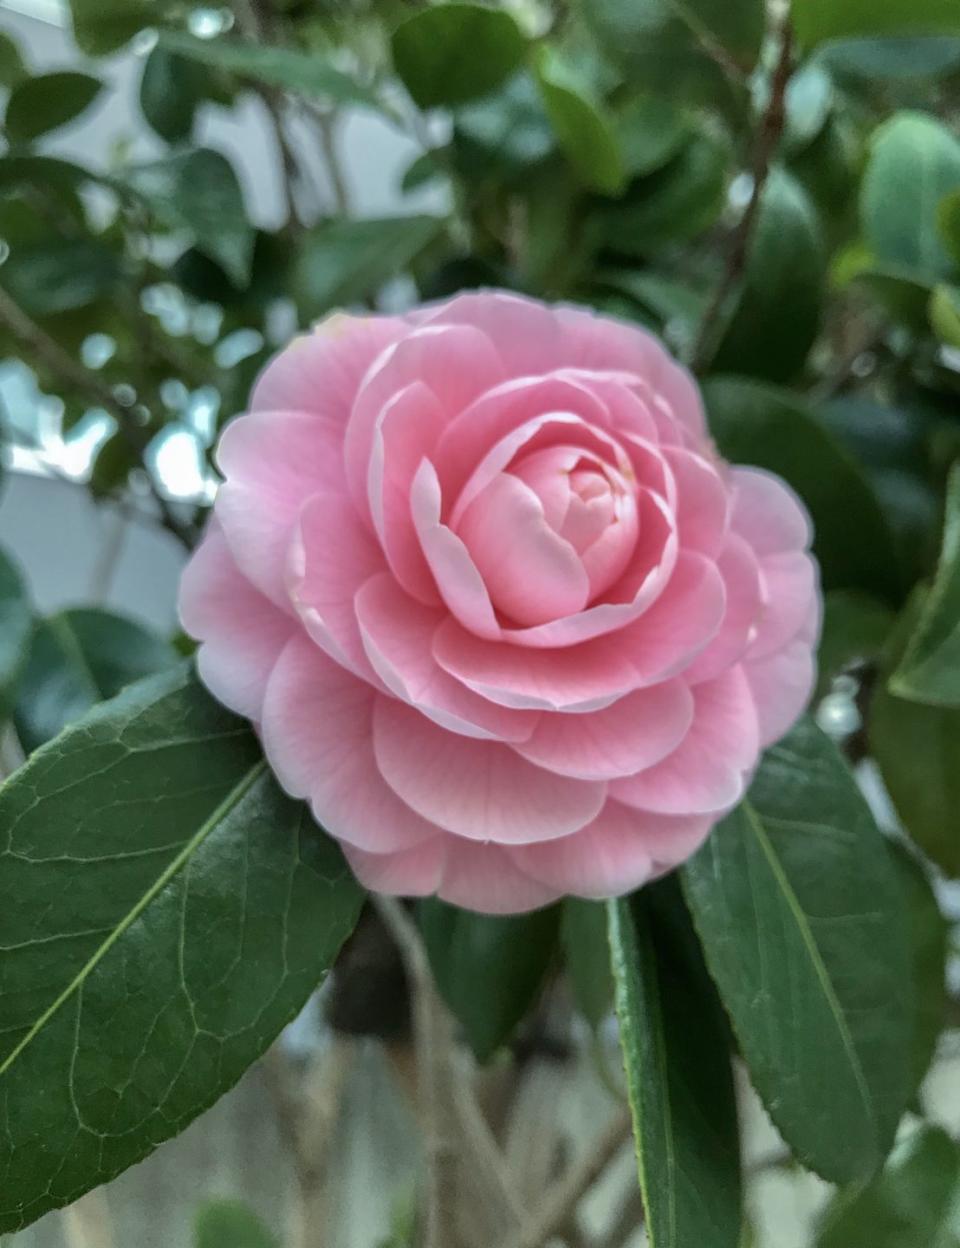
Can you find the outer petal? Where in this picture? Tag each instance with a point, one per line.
(241, 632)
(318, 737)
(702, 501)
(331, 556)
(273, 462)
(789, 586)
(634, 733)
(414, 872)
(768, 513)
(524, 332)
(478, 789)
(321, 371)
(737, 565)
(398, 636)
(781, 685)
(607, 858)
(706, 773)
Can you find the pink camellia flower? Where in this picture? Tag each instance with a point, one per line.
(497, 609)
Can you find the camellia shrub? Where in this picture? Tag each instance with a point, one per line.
(571, 604)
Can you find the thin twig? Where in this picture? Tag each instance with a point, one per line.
(767, 141)
(74, 375)
(559, 1205)
(431, 1038)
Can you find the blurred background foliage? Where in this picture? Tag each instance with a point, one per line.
(775, 190)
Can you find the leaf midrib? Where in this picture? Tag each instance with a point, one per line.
(239, 790)
(820, 969)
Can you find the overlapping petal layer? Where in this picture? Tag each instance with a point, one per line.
(498, 610)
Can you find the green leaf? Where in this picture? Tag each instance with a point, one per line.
(797, 903)
(198, 192)
(917, 748)
(914, 162)
(16, 621)
(38, 105)
(102, 26)
(305, 73)
(164, 911)
(927, 944)
(583, 934)
(817, 20)
(343, 262)
(451, 53)
(584, 131)
(777, 317)
(948, 219)
(170, 90)
(734, 26)
(944, 312)
(489, 969)
(855, 630)
(507, 130)
(674, 204)
(230, 1224)
(679, 1084)
(12, 68)
(757, 424)
(930, 668)
(77, 659)
(61, 274)
(894, 59)
(912, 1204)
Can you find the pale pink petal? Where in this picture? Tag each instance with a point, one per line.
(478, 789)
(456, 363)
(737, 565)
(672, 839)
(637, 731)
(414, 872)
(398, 636)
(331, 556)
(241, 632)
(576, 678)
(595, 673)
(525, 332)
(650, 568)
(678, 388)
(321, 371)
(706, 773)
(603, 342)
(702, 501)
(273, 462)
(607, 858)
(485, 878)
(626, 399)
(317, 733)
(768, 513)
(405, 433)
(458, 581)
(789, 583)
(500, 412)
(781, 685)
(531, 573)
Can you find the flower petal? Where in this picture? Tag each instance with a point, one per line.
(789, 583)
(531, 573)
(318, 737)
(241, 632)
(737, 564)
(702, 501)
(478, 789)
(273, 462)
(781, 685)
(320, 371)
(458, 581)
(768, 513)
(331, 556)
(634, 733)
(398, 636)
(706, 773)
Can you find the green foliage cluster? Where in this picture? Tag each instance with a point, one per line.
(778, 195)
